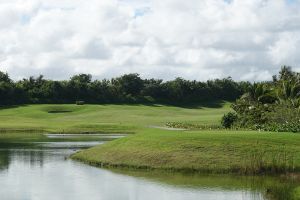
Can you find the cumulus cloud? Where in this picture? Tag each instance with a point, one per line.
(245, 39)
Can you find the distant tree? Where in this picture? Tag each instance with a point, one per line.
(79, 87)
(4, 77)
(178, 90)
(130, 84)
(288, 92)
(81, 79)
(261, 93)
(103, 92)
(53, 91)
(6, 89)
(286, 73)
(152, 88)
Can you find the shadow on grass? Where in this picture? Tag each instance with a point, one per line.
(59, 111)
(195, 105)
(204, 104)
(3, 107)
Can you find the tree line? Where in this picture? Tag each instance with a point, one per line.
(129, 88)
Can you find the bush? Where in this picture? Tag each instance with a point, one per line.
(190, 126)
(293, 126)
(229, 119)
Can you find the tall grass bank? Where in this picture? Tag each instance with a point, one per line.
(200, 151)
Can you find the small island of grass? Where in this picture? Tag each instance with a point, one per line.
(200, 151)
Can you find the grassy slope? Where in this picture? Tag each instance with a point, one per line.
(209, 151)
(155, 148)
(103, 118)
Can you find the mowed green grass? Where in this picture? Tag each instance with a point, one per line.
(203, 151)
(218, 151)
(103, 118)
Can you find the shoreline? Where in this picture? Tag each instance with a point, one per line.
(198, 152)
(235, 172)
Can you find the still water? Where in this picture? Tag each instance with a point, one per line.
(42, 170)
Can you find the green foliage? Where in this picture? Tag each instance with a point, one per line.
(273, 106)
(190, 126)
(283, 127)
(4, 77)
(129, 84)
(81, 79)
(229, 119)
(129, 88)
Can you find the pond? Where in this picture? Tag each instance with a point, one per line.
(41, 170)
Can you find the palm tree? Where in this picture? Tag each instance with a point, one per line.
(288, 92)
(261, 93)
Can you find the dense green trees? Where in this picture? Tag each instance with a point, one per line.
(273, 105)
(129, 88)
(7, 88)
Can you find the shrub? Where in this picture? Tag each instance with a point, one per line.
(184, 125)
(270, 106)
(229, 119)
(284, 127)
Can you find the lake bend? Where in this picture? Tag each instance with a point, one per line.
(41, 169)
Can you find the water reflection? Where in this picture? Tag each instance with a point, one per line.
(37, 153)
(4, 160)
(258, 187)
(40, 170)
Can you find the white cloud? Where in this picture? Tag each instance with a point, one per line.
(245, 39)
(286, 49)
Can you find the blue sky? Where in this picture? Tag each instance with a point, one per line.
(207, 39)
